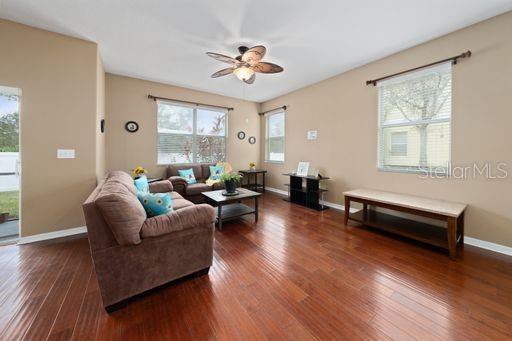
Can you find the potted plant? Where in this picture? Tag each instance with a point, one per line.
(252, 166)
(139, 171)
(230, 180)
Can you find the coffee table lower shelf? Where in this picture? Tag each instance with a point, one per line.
(423, 232)
(232, 211)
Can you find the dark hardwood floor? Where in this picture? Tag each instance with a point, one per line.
(296, 274)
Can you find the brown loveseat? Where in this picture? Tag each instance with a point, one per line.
(133, 253)
(192, 192)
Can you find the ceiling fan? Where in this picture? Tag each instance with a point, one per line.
(246, 64)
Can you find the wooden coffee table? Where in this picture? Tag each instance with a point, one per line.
(231, 207)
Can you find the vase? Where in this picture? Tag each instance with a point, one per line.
(230, 186)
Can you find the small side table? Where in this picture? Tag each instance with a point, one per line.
(254, 185)
(151, 180)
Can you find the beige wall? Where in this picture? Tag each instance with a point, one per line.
(126, 100)
(344, 111)
(100, 114)
(58, 79)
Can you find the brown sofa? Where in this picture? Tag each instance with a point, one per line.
(192, 192)
(133, 253)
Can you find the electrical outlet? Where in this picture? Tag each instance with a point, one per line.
(65, 153)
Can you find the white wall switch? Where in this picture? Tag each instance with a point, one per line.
(65, 153)
(312, 134)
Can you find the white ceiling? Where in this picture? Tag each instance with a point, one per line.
(166, 40)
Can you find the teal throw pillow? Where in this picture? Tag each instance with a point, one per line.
(187, 174)
(155, 203)
(141, 184)
(216, 172)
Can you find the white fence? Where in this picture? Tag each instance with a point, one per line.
(9, 163)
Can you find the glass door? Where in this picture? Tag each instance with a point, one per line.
(10, 166)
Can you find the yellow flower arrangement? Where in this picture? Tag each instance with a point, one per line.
(252, 164)
(139, 171)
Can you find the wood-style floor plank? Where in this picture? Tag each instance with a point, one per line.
(297, 274)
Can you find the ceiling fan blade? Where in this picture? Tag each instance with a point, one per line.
(222, 58)
(223, 72)
(253, 55)
(251, 79)
(264, 67)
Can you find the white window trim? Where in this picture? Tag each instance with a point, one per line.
(267, 115)
(380, 126)
(194, 107)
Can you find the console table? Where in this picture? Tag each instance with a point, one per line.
(451, 213)
(309, 195)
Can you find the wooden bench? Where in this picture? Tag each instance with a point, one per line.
(450, 212)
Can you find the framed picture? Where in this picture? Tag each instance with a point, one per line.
(303, 168)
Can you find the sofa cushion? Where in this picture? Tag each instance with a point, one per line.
(122, 211)
(195, 189)
(205, 168)
(163, 186)
(123, 178)
(172, 170)
(186, 218)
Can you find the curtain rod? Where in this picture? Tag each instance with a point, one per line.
(265, 112)
(454, 59)
(154, 98)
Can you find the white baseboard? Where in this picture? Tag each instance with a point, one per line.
(506, 250)
(323, 202)
(52, 235)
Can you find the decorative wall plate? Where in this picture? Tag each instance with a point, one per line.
(252, 140)
(241, 135)
(131, 126)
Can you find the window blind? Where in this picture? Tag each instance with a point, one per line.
(415, 121)
(189, 134)
(275, 136)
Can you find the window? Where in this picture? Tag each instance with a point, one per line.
(274, 136)
(189, 134)
(399, 143)
(415, 121)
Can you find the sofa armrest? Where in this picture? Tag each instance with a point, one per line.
(163, 186)
(180, 185)
(201, 215)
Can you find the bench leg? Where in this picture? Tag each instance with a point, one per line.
(460, 228)
(347, 210)
(452, 237)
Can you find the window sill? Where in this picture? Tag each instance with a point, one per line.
(274, 162)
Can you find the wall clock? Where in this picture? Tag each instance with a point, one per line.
(252, 140)
(241, 135)
(131, 126)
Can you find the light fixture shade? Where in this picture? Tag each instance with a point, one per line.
(243, 73)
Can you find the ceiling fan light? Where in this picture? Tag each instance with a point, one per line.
(243, 73)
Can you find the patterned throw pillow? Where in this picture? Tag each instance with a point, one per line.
(187, 174)
(155, 203)
(141, 184)
(216, 172)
